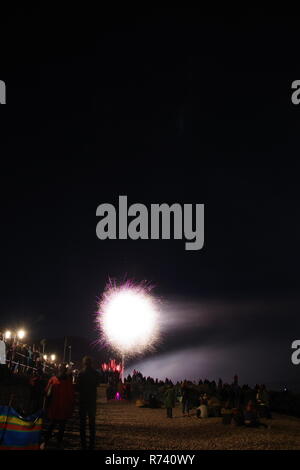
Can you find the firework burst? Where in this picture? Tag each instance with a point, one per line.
(128, 317)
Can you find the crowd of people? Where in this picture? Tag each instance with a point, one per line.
(20, 357)
(60, 403)
(54, 390)
(241, 405)
(57, 394)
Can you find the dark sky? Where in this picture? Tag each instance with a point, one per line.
(164, 106)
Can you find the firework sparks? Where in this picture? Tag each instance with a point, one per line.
(128, 318)
(111, 366)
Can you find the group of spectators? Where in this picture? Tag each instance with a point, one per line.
(59, 396)
(241, 405)
(53, 388)
(19, 357)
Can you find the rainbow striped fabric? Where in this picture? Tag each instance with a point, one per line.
(18, 433)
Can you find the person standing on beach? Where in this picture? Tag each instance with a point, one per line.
(59, 404)
(186, 398)
(170, 399)
(87, 382)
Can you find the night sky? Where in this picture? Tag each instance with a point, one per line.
(164, 106)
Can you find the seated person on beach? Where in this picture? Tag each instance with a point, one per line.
(202, 410)
(226, 413)
(238, 417)
(251, 416)
(263, 402)
(153, 401)
(214, 406)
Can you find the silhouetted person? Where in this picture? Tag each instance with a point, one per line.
(88, 380)
(60, 403)
(170, 399)
(251, 417)
(186, 398)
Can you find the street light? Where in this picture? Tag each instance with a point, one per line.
(21, 334)
(52, 357)
(7, 334)
(45, 357)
